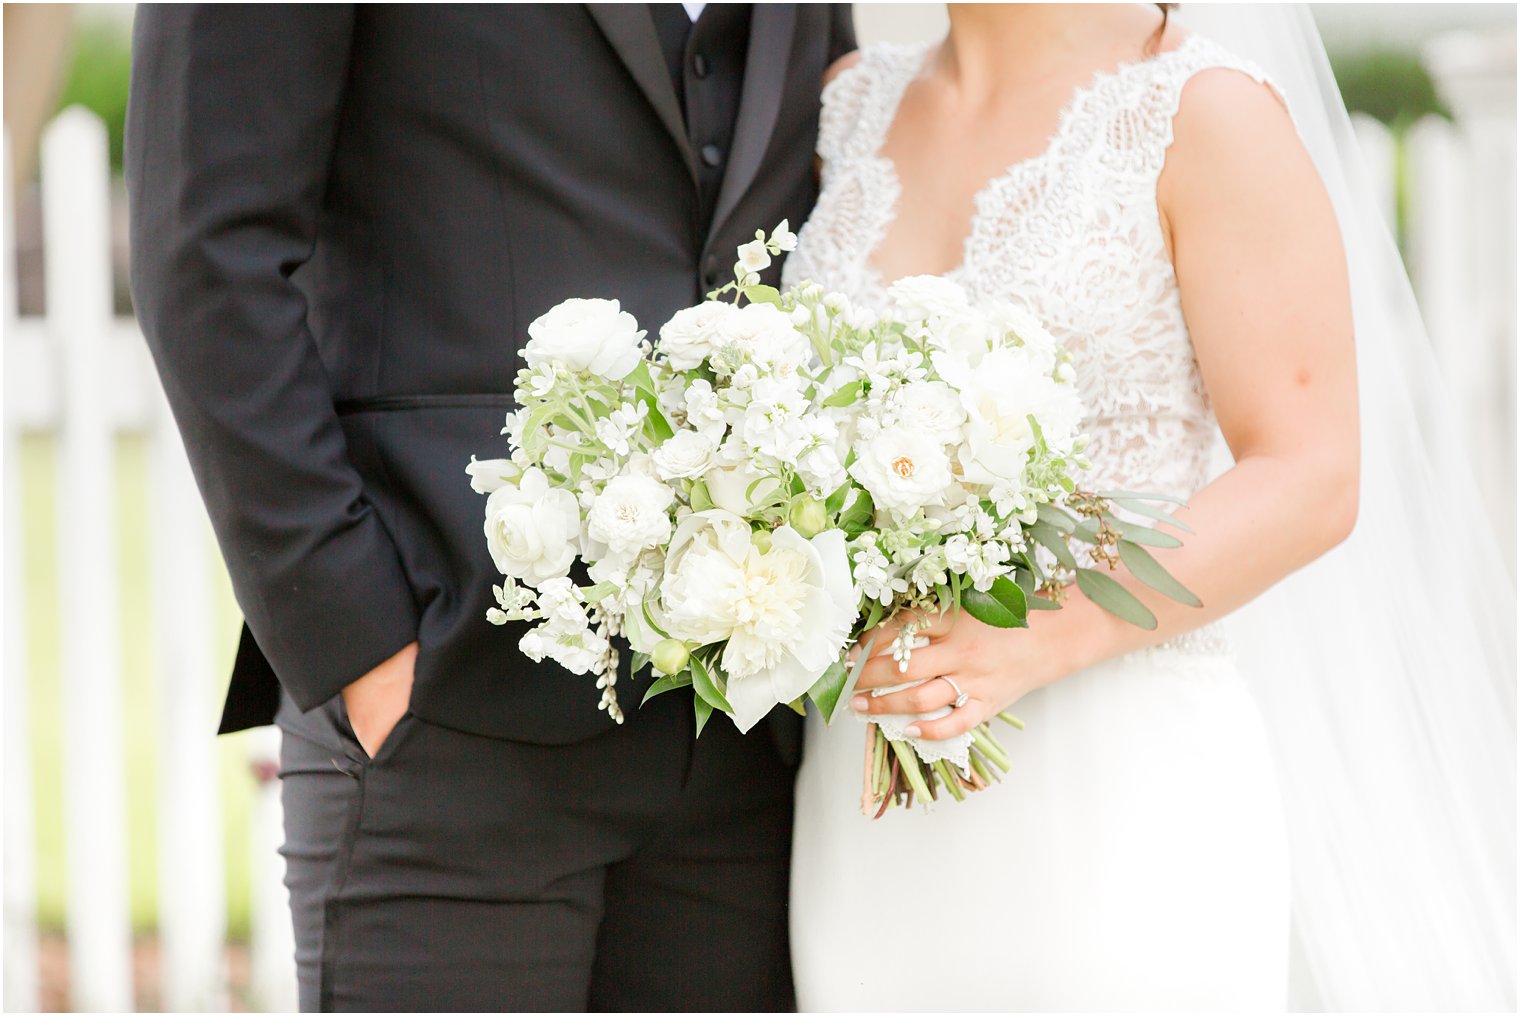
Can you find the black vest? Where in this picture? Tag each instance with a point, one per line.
(706, 62)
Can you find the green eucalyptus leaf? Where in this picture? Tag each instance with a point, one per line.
(1151, 511)
(1001, 606)
(1150, 571)
(1144, 534)
(1047, 537)
(1120, 495)
(702, 681)
(1107, 593)
(1056, 518)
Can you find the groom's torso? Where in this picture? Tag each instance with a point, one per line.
(491, 161)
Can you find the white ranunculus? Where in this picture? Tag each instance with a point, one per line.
(487, 475)
(920, 297)
(532, 530)
(904, 469)
(691, 335)
(730, 487)
(630, 514)
(595, 336)
(930, 406)
(999, 395)
(687, 454)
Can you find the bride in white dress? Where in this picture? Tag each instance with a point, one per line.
(1144, 193)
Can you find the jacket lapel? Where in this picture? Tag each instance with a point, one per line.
(630, 29)
(765, 67)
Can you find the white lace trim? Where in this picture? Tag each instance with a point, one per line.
(1072, 232)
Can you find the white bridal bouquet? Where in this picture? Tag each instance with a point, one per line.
(781, 473)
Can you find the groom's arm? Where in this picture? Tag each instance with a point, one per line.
(842, 31)
(230, 129)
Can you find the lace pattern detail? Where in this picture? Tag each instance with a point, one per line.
(1073, 233)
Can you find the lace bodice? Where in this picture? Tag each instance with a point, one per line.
(1072, 233)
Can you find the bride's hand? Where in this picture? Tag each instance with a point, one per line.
(995, 667)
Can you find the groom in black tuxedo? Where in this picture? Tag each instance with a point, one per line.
(343, 219)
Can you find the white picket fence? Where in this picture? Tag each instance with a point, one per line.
(83, 377)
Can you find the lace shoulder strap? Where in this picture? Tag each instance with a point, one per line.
(859, 104)
(1130, 116)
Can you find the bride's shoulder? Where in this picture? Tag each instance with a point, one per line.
(870, 63)
(1214, 82)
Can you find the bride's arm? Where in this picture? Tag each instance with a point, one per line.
(1262, 275)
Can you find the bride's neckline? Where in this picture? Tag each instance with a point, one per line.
(1052, 145)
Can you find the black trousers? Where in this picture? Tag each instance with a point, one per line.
(639, 870)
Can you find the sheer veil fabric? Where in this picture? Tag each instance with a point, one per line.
(1386, 670)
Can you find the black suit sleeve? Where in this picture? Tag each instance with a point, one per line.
(232, 114)
(841, 31)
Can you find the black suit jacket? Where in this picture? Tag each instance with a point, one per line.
(343, 220)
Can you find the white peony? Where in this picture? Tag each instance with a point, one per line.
(595, 336)
(920, 297)
(687, 454)
(929, 406)
(630, 515)
(786, 611)
(903, 469)
(691, 335)
(532, 530)
(487, 475)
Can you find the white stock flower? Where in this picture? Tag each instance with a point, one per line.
(920, 297)
(903, 469)
(580, 652)
(753, 257)
(630, 514)
(561, 606)
(595, 336)
(691, 335)
(487, 475)
(532, 530)
(785, 611)
(761, 334)
(687, 454)
(618, 428)
(703, 410)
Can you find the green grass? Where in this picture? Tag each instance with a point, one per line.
(45, 629)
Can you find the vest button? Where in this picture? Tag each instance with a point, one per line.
(700, 66)
(712, 155)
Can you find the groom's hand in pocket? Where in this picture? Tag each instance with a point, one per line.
(378, 700)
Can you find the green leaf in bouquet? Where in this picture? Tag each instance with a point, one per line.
(598, 592)
(1048, 537)
(649, 620)
(699, 496)
(637, 662)
(762, 294)
(1144, 534)
(846, 395)
(670, 682)
(859, 513)
(1107, 593)
(655, 423)
(1152, 512)
(640, 379)
(1121, 495)
(1055, 518)
(835, 501)
(798, 706)
(1002, 606)
(707, 688)
(704, 712)
(1150, 571)
(837, 683)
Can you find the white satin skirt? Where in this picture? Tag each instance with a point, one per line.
(1134, 859)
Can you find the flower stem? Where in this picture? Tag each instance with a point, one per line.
(910, 767)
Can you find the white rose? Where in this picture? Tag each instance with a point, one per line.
(596, 336)
(919, 297)
(904, 469)
(685, 455)
(487, 475)
(730, 486)
(930, 406)
(999, 395)
(690, 336)
(630, 514)
(532, 530)
(760, 333)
